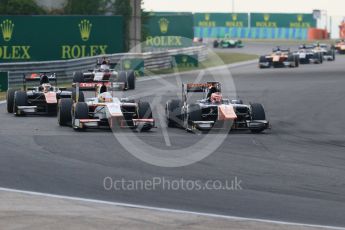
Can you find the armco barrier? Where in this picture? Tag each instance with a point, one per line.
(251, 33)
(65, 68)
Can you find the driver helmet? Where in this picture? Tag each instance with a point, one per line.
(105, 97)
(46, 87)
(216, 97)
(104, 67)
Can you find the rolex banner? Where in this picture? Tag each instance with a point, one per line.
(169, 31)
(282, 20)
(239, 20)
(43, 38)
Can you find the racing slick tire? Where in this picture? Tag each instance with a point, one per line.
(81, 96)
(257, 113)
(20, 99)
(81, 111)
(78, 77)
(215, 44)
(173, 113)
(10, 100)
(262, 59)
(194, 113)
(64, 111)
(293, 61)
(144, 112)
(131, 80)
(123, 78)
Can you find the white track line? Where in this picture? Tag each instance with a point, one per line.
(126, 205)
(2, 102)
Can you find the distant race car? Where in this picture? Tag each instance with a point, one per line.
(340, 46)
(211, 111)
(327, 51)
(308, 54)
(104, 111)
(104, 72)
(279, 58)
(227, 42)
(40, 100)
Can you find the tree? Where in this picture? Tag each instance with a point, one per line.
(20, 7)
(85, 7)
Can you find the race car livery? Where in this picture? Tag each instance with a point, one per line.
(104, 72)
(104, 111)
(340, 47)
(308, 54)
(279, 58)
(214, 112)
(227, 43)
(40, 100)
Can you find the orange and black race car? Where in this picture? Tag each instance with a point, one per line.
(279, 58)
(210, 111)
(340, 47)
(39, 100)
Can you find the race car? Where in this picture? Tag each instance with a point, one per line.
(310, 54)
(212, 111)
(104, 111)
(327, 51)
(340, 46)
(40, 100)
(104, 72)
(227, 42)
(279, 58)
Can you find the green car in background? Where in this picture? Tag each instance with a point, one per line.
(227, 42)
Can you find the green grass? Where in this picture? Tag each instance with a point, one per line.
(213, 60)
(2, 96)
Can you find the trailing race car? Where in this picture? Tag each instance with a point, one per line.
(340, 47)
(214, 112)
(104, 72)
(279, 58)
(104, 111)
(227, 42)
(309, 54)
(40, 100)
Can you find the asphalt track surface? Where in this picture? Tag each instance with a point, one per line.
(293, 172)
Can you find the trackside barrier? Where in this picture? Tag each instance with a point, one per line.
(65, 68)
(252, 33)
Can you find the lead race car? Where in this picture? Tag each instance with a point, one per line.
(104, 73)
(279, 58)
(227, 42)
(214, 112)
(39, 100)
(104, 111)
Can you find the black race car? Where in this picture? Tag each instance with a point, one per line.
(214, 112)
(42, 99)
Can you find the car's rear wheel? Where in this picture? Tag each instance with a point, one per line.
(20, 99)
(144, 112)
(123, 78)
(65, 111)
(131, 80)
(194, 113)
(81, 97)
(78, 77)
(10, 100)
(173, 113)
(257, 113)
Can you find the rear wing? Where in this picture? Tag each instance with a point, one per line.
(36, 77)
